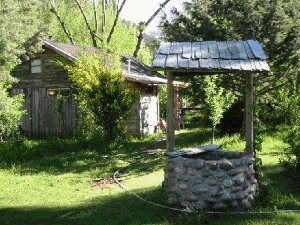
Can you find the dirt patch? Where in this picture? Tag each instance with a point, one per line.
(103, 183)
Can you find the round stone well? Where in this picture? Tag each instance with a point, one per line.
(207, 178)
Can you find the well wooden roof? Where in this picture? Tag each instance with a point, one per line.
(211, 57)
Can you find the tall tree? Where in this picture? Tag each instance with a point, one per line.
(276, 24)
(143, 25)
(92, 31)
(115, 34)
(62, 23)
(19, 22)
(217, 101)
(112, 30)
(80, 22)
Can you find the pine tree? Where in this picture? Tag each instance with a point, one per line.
(19, 22)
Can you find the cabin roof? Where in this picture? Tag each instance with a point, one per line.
(138, 72)
(210, 57)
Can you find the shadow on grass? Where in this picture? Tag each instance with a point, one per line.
(192, 138)
(69, 156)
(126, 210)
(57, 156)
(282, 180)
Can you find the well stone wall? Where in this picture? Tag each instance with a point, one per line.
(211, 180)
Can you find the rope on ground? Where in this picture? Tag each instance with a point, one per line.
(144, 200)
(188, 210)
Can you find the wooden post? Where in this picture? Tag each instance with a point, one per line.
(170, 114)
(249, 114)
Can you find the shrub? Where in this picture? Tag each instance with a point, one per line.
(217, 101)
(293, 133)
(10, 115)
(103, 96)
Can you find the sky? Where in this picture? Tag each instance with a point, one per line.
(142, 10)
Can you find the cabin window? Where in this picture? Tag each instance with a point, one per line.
(53, 92)
(36, 66)
(65, 92)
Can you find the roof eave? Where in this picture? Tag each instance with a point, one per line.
(59, 51)
(203, 71)
(145, 79)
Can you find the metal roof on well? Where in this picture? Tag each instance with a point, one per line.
(211, 56)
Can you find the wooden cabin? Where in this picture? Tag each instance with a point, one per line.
(46, 89)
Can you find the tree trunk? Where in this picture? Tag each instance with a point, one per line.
(144, 26)
(212, 140)
(63, 26)
(243, 131)
(140, 40)
(112, 30)
(103, 16)
(95, 16)
(92, 33)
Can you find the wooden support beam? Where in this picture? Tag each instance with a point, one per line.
(249, 114)
(170, 139)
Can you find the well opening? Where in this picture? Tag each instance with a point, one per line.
(203, 178)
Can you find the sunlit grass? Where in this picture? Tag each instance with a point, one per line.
(50, 183)
(232, 142)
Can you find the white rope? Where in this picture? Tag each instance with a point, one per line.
(188, 210)
(144, 200)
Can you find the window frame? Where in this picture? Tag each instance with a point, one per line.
(36, 66)
(54, 92)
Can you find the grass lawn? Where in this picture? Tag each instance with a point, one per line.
(55, 182)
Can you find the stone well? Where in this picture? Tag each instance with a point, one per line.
(207, 178)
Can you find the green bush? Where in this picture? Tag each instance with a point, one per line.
(10, 115)
(293, 134)
(27, 149)
(103, 97)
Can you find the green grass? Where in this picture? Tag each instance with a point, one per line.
(49, 183)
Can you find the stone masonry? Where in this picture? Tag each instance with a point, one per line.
(210, 180)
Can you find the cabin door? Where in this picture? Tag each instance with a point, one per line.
(149, 114)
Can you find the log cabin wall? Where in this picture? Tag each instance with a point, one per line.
(144, 116)
(133, 120)
(42, 120)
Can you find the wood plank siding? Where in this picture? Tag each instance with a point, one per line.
(42, 120)
(144, 116)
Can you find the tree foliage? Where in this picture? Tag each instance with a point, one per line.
(276, 24)
(143, 25)
(10, 115)
(81, 23)
(19, 23)
(217, 101)
(104, 97)
(293, 134)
